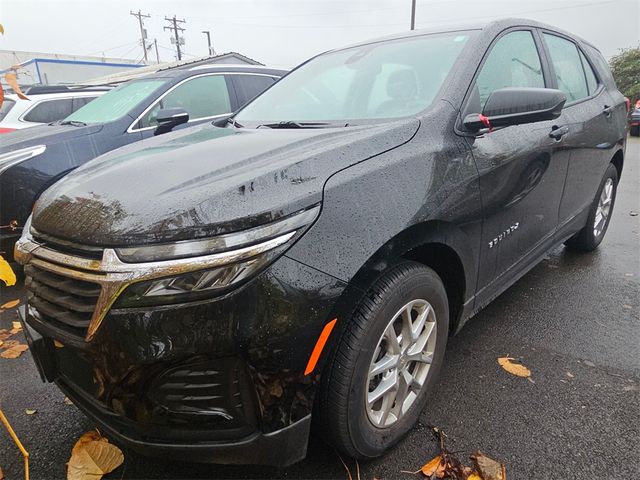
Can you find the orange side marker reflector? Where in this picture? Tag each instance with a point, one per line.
(317, 350)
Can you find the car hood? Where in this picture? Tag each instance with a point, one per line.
(44, 135)
(204, 181)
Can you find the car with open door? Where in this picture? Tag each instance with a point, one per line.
(308, 257)
(33, 159)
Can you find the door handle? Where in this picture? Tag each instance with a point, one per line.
(558, 132)
(607, 110)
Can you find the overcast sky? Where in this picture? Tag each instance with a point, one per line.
(283, 33)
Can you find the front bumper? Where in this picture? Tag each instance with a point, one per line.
(220, 380)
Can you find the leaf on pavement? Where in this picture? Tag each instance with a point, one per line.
(1, 474)
(514, 368)
(4, 334)
(68, 401)
(6, 274)
(30, 411)
(474, 476)
(434, 466)
(92, 457)
(13, 351)
(488, 468)
(11, 304)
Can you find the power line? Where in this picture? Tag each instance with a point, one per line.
(174, 26)
(143, 32)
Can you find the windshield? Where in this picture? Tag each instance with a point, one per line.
(115, 103)
(381, 80)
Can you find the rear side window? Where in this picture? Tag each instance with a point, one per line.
(568, 67)
(200, 96)
(592, 81)
(5, 107)
(512, 62)
(50, 111)
(250, 86)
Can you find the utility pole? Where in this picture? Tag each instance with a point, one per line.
(155, 42)
(208, 34)
(174, 26)
(143, 33)
(413, 14)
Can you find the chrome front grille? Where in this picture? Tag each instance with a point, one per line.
(65, 302)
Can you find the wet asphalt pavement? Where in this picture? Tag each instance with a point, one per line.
(573, 320)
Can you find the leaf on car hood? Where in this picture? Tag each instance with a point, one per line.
(6, 273)
(514, 368)
(92, 457)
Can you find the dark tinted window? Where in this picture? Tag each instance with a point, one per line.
(512, 62)
(568, 66)
(50, 110)
(200, 96)
(5, 107)
(592, 82)
(79, 102)
(249, 86)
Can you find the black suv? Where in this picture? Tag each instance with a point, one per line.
(216, 287)
(33, 159)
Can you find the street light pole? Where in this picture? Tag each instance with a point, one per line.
(208, 34)
(413, 14)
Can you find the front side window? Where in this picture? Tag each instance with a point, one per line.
(568, 67)
(117, 102)
(512, 62)
(201, 97)
(49, 111)
(380, 80)
(5, 107)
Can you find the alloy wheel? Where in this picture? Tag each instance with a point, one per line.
(401, 363)
(604, 208)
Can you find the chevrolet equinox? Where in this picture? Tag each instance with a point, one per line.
(207, 292)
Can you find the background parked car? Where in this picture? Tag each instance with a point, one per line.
(45, 105)
(634, 121)
(32, 160)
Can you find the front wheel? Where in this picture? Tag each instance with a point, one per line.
(588, 239)
(386, 362)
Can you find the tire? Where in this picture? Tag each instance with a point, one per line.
(588, 239)
(342, 414)
(635, 131)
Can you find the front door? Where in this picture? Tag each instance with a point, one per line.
(522, 169)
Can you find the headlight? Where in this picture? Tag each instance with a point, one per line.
(243, 255)
(10, 159)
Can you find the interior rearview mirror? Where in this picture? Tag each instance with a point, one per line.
(168, 118)
(515, 106)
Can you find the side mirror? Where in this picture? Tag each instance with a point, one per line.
(515, 106)
(168, 118)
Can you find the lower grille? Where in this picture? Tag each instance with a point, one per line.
(64, 302)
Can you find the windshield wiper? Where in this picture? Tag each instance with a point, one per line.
(75, 123)
(292, 124)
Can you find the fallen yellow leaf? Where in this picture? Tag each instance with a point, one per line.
(92, 457)
(16, 325)
(4, 334)
(514, 368)
(12, 303)
(1, 474)
(6, 273)
(68, 401)
(30, 411)
(14, 351)
(57, 344)
(434, 465)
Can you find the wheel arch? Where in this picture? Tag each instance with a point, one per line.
(439, 245)
(618, 161)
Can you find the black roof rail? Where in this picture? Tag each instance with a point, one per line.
(40, 89)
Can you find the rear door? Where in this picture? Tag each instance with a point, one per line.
(520, 169)
(588, 116)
